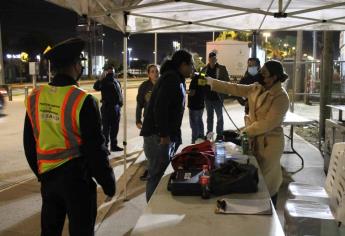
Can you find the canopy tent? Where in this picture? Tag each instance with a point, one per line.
(167, 16)
(163, 16)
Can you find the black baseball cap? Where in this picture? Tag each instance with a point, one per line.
(212, 54)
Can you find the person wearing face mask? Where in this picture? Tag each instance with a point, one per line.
(143, 98)
(251, 76)
(64, 145)
(268, 104)
(112, 102)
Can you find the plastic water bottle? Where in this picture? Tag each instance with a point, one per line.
(220, 153)
(245, 144)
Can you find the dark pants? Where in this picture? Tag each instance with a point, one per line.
(110, 122)
(70, 193)
(158, 157)
(211, 107)
(196, 124)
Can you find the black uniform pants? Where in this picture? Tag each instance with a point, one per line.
(68, 192)
(110, 123)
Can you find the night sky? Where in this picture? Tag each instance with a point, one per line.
(21, 18)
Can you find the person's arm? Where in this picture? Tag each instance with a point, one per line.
(165, 94)
(226, 74)
(140, 105)
(97, 85)
(93, 148)
(274, 117)
(30, 146)
(231, 88)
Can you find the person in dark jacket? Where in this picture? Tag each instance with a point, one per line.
(70, 188)
(251, 76)
(143, 98)
(162, 124)
(196, 105)
(112, 102)
(213, 100)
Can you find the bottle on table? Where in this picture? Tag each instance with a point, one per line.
(220, 153)
(204, 181)
(245, 144)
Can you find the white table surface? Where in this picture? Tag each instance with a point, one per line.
(339, 107)
(191, 215)
(294, 119)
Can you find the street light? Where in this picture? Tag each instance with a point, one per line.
(176, 45)
(266, 35)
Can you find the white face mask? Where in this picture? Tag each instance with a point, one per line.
(253, 70)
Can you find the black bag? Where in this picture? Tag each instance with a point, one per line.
(185, 183)
(232, 136)
(234, 177)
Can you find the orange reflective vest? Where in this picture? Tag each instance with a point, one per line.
(54, 115)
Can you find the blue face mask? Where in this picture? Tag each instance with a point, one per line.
(252, 70)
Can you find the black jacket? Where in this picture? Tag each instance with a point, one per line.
(165, 110)
(94, 159)
(248, 79)
(219, 72)
(143, 98)
(196, 96)
(110, 90)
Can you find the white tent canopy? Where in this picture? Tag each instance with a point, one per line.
(164, 16)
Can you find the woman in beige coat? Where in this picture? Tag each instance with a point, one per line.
(268, 104)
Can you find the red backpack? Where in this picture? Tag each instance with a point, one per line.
(194, 157)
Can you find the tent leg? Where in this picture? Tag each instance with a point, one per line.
(125, 115)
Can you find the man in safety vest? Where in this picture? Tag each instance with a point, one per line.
(64, 145)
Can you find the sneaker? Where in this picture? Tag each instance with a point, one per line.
(116, 149)
(144, 177)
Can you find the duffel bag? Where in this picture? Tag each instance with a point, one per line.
(234, 177)
(192, 161)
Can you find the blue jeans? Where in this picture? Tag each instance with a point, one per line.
(216, 106)
(196, 124)
(158, 157)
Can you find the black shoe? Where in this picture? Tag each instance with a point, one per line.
(116, 149)
(144, 177)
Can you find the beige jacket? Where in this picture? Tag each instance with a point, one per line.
(263, 125)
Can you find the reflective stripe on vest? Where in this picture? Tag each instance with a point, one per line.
(54, 115)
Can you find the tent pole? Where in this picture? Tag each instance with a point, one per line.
(326, 80)
(254, 43)
(213, 36)
(155, 54)
(125, 115)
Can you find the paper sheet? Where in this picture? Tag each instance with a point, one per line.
(244, 206)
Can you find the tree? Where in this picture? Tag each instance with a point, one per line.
(235, 35)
